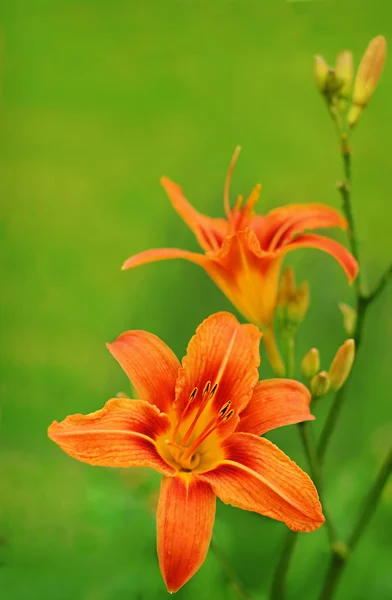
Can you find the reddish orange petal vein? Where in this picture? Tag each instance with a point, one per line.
(335, 249)
(122, 434)
(155, 254)
(222, 352)
(307, 216)
(259, 477)
(275, 403)
(185, 518)
(281, 223)
(209, 232)
(150, 365)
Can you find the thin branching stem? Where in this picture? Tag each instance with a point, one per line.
(280, 576)
(229, 571)
(341, 555)
(341, 551)
(363, 301)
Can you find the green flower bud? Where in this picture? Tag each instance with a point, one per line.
(320, 384)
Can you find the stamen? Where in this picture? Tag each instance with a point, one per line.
(238, 203)
(226, 191)
(192, 396)
(209, 428)
(254, 196)
(228, 416)
(213, 391)
(206, 397)
(224, 408)
(249, 206)
(207, 388)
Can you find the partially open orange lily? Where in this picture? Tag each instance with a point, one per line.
(244, 252)
(199, 425)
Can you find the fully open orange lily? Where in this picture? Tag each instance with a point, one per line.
(199, 425)
(244, 252)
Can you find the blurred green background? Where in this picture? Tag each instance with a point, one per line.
(99, 99)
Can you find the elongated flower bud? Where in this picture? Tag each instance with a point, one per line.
(299, 303)
(310, 364)
(320, 71)
(286, 286)
(349, 317)
(341, 365)
(292, 304)
(345, 72)
(320, 384)
(368, 75)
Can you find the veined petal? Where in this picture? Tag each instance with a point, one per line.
(339, 252)
(224, 353)
(275, 403)
(155, 254)
(150, 365)
(185, 518)
(248, 276)
(209, 232)
(281, 224)
(122, 434)
(257, 476)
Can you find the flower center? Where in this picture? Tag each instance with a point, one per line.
(186, 445)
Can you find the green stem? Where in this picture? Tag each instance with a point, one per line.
(279, 580)
(333, 576)
(273, 353)
(315, 471)
(384, 279)
(370, 502)
(362, 301)
(341, 555)
(278, 583)
(230, 574)
(290, 357)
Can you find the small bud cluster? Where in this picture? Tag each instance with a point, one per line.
(345, 97)
(292, 304)
(320, 382)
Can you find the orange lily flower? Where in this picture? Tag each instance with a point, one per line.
(198, 423)
(244, 252)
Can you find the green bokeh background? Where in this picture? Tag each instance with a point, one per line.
(99, 99)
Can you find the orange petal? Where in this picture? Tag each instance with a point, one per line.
(248, 276)
(149, 256)
(275, 403)
(122, 434)
(225, 353)
(339, 252)
(150, 365)
(209, 232)
(259, 477)
(185, 518)
(282, 223)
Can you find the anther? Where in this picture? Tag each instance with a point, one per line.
(213, 390)
(193, 394)
(224, 409)
(207, 388)
(228, 416)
